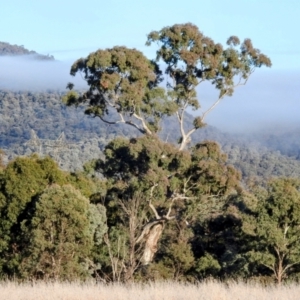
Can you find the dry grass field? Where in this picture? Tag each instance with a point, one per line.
(153, 291)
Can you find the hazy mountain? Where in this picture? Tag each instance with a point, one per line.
(36, 121)
(7, 49)
(39, 122)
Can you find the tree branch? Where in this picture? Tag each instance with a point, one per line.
(122, 120)
(167, 216)
(157, 216)
(213, 106)
(146, 129)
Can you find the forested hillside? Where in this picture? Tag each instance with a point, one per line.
(285, 140)
(85, 138)
(7, 49)
(45, 114)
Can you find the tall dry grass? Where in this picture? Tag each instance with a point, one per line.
(154, 291)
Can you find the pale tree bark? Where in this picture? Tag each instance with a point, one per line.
(186, 136)
(144, 129)
(153, 230)
(151, 242)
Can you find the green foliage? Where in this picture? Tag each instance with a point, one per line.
(143, 162)
(98, 229)
(192, 58)
(198, 123)
(185, 43)
(59, 234)
(190, 186)
(22, 182)
(276, 228)
(207, 266)
(97, 226)
(175, 256)
(89, 187)
(218, 243)
(122, 82)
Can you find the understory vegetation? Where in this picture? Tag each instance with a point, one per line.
(146, 196)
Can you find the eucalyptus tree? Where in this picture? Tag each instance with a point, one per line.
(123, 88)
(125, 82)
(191, 58)
(151, 182)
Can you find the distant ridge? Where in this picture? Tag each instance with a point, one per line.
(7, 49)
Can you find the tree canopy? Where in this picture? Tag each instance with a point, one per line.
(150, 182)
(38, 202)
(124, 81)
(121, 81)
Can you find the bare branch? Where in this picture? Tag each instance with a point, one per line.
(240, 83)
(122, 120)
(270, 268)
(213, 106)
(126, 210)
(185, 184)
(157, 216)
(111, 122)
(167, 216)
(289, 266)
(175, 197)
(146, 129)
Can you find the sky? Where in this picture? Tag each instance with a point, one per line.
(69, 30)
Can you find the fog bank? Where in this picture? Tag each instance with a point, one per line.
(25, 73)
(270, 99)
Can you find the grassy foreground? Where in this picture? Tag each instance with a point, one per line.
(153, 291)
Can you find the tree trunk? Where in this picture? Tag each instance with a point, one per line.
(151, 243)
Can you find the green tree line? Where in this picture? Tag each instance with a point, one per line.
(149, 209)
(74, 226)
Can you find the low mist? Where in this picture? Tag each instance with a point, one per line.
(26, 73)
(270, 100)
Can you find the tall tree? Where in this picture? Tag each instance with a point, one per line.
(123, 88)
(124, 81)
(192, 58)
(175, 184)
